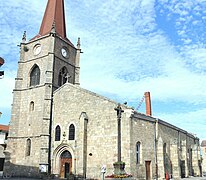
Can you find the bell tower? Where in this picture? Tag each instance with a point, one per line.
(46, 62)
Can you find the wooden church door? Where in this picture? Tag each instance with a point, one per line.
(147, 165)
(66, 164)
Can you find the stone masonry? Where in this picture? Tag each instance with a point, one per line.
(35, 124)
(74, 105)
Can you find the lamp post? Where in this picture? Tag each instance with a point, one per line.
(1, 73)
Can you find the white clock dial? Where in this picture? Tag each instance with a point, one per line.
(64, 52)
(37, 49)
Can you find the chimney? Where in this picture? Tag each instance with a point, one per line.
(148, 104)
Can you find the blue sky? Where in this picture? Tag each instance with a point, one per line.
(129, 47)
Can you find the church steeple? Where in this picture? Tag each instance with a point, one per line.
(47, 61)
(54, 14)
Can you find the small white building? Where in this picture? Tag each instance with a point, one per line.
(4, 131)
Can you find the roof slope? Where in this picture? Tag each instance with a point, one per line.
(4, 128)
(54, 20)
(54, 16)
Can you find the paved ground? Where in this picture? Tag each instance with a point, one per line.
(191, 178)
(195, 178)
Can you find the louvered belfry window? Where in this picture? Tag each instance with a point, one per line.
(71, 132)
(35, 76)
(62, 76)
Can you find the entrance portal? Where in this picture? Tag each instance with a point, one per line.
(66, 164)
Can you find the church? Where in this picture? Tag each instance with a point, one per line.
(59, 128)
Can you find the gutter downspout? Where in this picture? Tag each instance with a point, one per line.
(51, 110)
(50, 130)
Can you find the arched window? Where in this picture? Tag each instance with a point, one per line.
(28, 147)
(138, 153)
(71, 132)
(63, 75)
(57, 133)
(31, 108)
(164, 149)
(165, 157)
(35, 76)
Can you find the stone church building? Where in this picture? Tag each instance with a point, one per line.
(203, 150)
(60, 128)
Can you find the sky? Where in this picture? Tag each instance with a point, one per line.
(130, 47)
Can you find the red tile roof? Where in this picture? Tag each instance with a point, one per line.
(54, 14)
(4, 128)
(203, 144)
(54, 17)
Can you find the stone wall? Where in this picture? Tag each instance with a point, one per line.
(69, 104)
(69, 61)
(143, 131)
(182, 151)
(203, 149)
(27, 123)
(34, 124)
(74, 105)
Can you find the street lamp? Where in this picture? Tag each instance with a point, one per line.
(1, 63)
(1, 73)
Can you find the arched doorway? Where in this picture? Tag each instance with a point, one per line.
(65, 164)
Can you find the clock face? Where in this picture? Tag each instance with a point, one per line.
(37, 49)
(64, 52)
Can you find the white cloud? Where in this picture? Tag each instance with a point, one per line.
(125, 51)
(6, 88)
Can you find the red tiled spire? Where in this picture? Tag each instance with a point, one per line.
(54, 20)
(54, 14)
